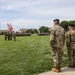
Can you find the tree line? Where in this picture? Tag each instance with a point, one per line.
(65, 24)
(45, 29)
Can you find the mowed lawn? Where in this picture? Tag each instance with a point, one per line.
(29, 55)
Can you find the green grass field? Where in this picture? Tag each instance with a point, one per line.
(29, 55)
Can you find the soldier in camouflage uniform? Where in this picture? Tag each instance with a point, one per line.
(9, 35)
(5, 35)
(70, 42)
(57, 37)
(14, 35)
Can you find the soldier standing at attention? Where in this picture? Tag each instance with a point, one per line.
(5, 35)
(14, 35)
(70, 42)
(57, 38)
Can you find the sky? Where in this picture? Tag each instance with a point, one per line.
(34, 13)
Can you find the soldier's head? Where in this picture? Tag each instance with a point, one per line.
(56, 21)
(71, 26)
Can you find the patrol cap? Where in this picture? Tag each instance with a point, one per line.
(56, 20)
(71, 25)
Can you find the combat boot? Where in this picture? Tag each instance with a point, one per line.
(56, 70)
(58, 67)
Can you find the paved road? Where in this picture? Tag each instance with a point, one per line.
(65, 71)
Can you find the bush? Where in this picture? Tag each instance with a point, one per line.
(23, 34)
(43, 34)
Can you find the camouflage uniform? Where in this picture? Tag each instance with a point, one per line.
(70, 42)
(5, 35)
(57, 37)
(9, 35)
(14, 36)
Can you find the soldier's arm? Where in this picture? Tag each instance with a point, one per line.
(52, 38)
(64, 38)
(67, 37)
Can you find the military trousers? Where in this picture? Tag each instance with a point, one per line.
(57, 54)
(71, 56)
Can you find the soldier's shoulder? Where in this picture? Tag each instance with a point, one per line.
(59, 28)
(73, 32)
(67, 33)
(52, 29)
(62, 28)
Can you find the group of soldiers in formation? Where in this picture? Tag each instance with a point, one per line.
(10, 35)
(58, 37)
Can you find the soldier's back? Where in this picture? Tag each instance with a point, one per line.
(59, 35)
(70, 38)
(71, 35)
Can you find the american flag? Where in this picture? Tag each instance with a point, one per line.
(10, 27)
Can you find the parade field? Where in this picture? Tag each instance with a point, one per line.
(29, 55)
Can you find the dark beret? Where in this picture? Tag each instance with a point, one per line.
(71, 25)
(56, 20)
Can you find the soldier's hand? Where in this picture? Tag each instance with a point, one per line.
(51, 43)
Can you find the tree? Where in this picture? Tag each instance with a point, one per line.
(72, 22)
(35, 31)
(64, 24)
(44, 29)
(32, 31)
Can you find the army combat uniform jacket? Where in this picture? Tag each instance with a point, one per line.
(70, 42)
(57, 37)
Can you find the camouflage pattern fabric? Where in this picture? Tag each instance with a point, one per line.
(57, 38)
(70, 42)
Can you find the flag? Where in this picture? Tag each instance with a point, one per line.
(7, 24)
(10, 27)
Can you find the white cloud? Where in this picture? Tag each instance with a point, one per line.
(16, 4)
(34, 13)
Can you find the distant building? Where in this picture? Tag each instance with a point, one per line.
(22, 30)
(3, 31)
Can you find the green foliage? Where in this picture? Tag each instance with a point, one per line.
(72, 22)
(64, 24)
(32, 31)
(35, 31)
(44, 29)
(27, 56)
